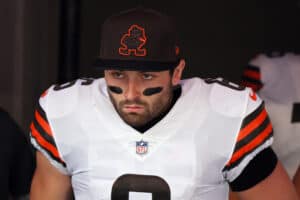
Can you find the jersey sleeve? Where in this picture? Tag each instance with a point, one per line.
(260, 167)
(255, 135)
(42, 137)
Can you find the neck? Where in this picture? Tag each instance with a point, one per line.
(174, 96)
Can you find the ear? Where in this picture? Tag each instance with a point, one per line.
(178, 72)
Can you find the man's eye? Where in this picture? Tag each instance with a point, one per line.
(147, 76)
(117, 74)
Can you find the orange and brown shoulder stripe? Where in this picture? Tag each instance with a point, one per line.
(256, 128)
(252, 78)
(42, 133)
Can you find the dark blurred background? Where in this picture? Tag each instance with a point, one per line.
(54, 41)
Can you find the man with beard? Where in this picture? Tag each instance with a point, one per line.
(143, 133)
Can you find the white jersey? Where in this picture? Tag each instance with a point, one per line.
(206, 140)
(276, 79)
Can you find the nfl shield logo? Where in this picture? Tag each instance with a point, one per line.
(141, 147)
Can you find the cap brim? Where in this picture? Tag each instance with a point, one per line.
(134, 65)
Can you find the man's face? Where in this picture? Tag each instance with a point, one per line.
(139, 96)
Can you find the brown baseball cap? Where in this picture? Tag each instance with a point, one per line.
(140, 39)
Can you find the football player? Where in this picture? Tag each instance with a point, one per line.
(143, 133)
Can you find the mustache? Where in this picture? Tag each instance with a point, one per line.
(132, 102)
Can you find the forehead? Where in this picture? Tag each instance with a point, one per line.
(132, 72)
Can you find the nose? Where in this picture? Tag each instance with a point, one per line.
(132, 92)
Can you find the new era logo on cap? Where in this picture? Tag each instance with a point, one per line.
(138, 39)
(133, 42)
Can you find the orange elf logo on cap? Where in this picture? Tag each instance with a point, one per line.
(133, 41)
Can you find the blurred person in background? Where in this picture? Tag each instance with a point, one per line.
(17, 160)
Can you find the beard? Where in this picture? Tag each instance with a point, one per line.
(158, 105)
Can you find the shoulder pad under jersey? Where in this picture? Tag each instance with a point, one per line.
(231, 99)
(60, 100)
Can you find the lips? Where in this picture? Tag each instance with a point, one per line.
(133, 108)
